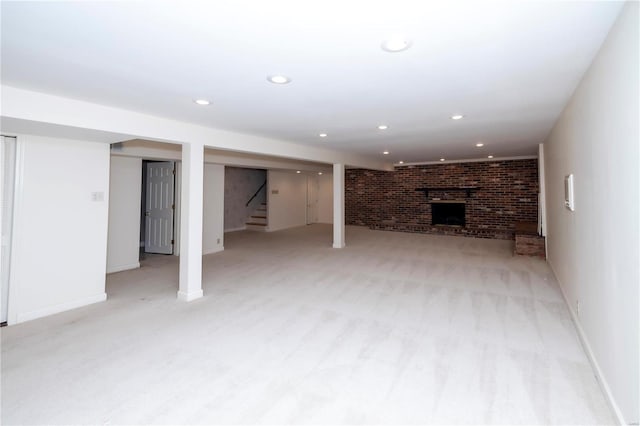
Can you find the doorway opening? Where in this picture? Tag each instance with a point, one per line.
(313, 189)
(245, 199)
(158, 207)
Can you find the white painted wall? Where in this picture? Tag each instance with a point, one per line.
(239, 185)
(594, 250)
(286, 200)
(60, 241)
(325, 198)
(125, 204)
(125, 184)
(213, 205)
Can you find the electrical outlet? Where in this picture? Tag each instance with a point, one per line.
(218, 240)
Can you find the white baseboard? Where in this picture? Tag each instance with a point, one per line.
(119, 268)
(61, 307)
(242, 228)
(592, 359)
(212, 250)
(188, 297)
(269, 228)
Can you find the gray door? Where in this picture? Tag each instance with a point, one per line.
(159, 208)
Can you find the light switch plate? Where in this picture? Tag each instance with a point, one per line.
(97, 196)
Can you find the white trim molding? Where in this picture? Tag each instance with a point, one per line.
(468, 160)
(211, 250)
(121, 268)
(62, 307)
(241, 228)
(188, 297)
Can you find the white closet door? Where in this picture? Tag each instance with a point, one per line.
(7, 177)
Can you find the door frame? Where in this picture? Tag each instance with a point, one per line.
(176, 203)
(177, 199)
(13, 293)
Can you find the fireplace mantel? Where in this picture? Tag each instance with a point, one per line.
(467, 189)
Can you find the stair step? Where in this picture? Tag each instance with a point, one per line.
(259, 217)
(256, 224)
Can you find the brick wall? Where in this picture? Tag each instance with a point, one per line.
(508, 193)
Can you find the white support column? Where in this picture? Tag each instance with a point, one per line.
(338, 206)
(191, 222)
(542, 200)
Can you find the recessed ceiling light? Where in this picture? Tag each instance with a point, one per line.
(442, 159)
(202, 102)
(383, 127)
(385, 152)
(396, 43)
(279, 79)
(400, 162)
(323, 135)
(457, 117)
(479, 144)
(320, 173)
(489, 156)
(297, 171)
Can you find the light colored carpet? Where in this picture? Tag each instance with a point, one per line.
(395, 328)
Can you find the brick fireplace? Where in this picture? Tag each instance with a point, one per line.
(493, 196)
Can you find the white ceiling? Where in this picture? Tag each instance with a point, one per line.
(509, 67)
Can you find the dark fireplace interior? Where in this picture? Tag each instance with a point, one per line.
(447, 214)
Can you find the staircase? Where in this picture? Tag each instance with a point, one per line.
(258, 219)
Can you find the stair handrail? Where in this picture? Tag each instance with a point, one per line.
(256, 194)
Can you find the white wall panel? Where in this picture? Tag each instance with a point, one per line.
(60, 248)
(125, 180)
(287, 200)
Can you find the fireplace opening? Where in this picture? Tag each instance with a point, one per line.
(448, 214)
